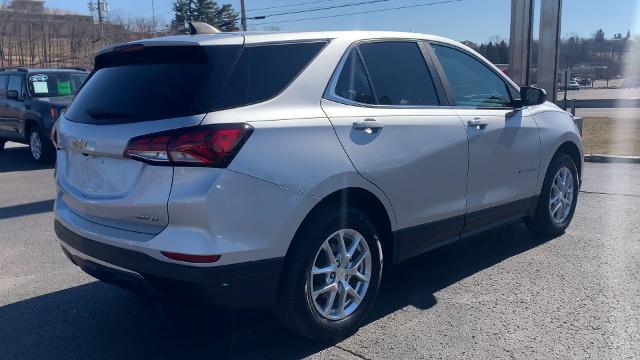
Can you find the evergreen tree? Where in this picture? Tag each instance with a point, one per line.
(222, 17)
(227, 18)
(184, 12)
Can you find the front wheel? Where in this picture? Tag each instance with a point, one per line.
(558, 199)
(40, 146)
(331, 276)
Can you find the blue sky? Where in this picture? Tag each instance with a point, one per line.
(475, 20)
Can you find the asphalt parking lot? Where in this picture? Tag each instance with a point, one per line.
(500, 295)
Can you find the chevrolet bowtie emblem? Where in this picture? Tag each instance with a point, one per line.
(78, 144)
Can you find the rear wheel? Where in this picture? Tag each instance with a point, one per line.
(332, 275)
(558, 199)
(40, 146)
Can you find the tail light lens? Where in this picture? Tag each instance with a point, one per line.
(54, 135)
(210, 145)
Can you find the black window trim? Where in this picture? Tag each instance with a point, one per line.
(330, 94)
(449, 90)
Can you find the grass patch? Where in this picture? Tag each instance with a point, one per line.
(610, 136)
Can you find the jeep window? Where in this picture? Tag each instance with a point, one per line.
(52, 84)
(3, 85)
(15, 83)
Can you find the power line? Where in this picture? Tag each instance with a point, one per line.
(290, 5)
(358, 12)
(324, 8)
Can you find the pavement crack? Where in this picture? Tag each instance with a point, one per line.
(351, 352)
(606, 193)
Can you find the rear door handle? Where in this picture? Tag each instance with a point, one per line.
(477, 123)
(368, 125)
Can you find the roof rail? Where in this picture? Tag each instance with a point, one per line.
(21, 69)
(73, 68)
(197, 28)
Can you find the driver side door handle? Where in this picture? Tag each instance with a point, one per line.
(477, 123)
(368, 125)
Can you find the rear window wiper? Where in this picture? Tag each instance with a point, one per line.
(98, 114)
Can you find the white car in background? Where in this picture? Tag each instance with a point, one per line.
(289, 169)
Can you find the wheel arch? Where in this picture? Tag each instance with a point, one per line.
(570, 148)
(365, 201)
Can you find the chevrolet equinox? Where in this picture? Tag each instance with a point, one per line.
(286, 169)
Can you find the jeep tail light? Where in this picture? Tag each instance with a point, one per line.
(209, 145)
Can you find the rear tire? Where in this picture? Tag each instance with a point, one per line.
(303, 305)
(558, 199)
(40, 146)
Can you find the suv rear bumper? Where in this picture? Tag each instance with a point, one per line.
(248, 284)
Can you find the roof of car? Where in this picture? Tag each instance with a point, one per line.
(252, 37)
(29, 70)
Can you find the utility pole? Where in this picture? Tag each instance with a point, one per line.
(100, 2)
(153, 18)
(31, 55)
(243, 16)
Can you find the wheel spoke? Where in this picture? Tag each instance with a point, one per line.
(323, 270)
(342, 301)
(324, 290)
(330, 255)
(354, 294)
(330, 301)
(354, 246)
(341, 246)
(358, 262)
(360, 276)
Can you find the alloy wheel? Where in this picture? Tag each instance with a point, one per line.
(561, 195)
(35, 145)
(340, 275)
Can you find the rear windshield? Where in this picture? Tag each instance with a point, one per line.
(154, 83)
(53, 84)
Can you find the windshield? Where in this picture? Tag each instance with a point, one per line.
(54, 84)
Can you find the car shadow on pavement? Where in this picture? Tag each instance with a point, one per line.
(97, 320)
(36, 207)
(19, 159)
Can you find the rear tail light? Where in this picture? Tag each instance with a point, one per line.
(209, 145)
(54, 135)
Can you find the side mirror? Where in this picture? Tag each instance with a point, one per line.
(532, 96)
(13, 94)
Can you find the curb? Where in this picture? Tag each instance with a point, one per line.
(599, 158)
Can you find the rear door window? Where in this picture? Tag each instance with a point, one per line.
(263, 71)
(353, 83)
(399, 73)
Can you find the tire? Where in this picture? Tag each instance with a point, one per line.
(545, 221)
(40, 146)
(296, 307)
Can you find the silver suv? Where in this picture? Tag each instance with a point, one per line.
(280, 169)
